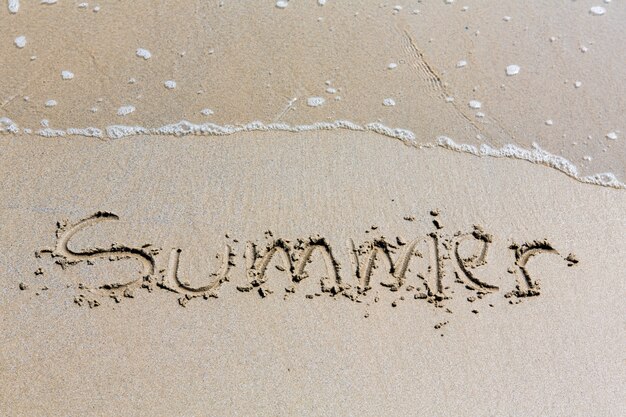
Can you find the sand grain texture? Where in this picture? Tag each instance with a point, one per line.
(189, 226)
(557, 353)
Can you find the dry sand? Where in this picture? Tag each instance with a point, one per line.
(339, 269)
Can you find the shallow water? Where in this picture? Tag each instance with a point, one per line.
(222, 66)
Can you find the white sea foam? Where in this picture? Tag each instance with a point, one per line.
(20, 41)
(125, 110)
(48, 1)
(120, 131)
(512, 70)
(183, 128)
(47, 132)
(281, 4)
(535, 155)
(315, 101)
(321, 2)
(597, 10)
(475, 104)
(143, 53)
(67, 75)
(14, 6)
(7, 126)
(611, 135)
(51, 103)
(206, 112)
(93, 132)
(389, 102)
(170, 84)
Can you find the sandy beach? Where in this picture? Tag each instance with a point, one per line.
(312, 208)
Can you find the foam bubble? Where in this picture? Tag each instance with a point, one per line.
(182, 128)
(315, 101)
(170, 84)
(535, 155)
(597, 10)
(48, 1)
(83, 5)
(67, 75)
(206, 112)
(461, 63)
(281, 4)
(7, 126)
(92, 132)
(321, 2)
(512, 70)
(392, 65)
(14, 6)
(475, 104)
(125, 110)
(118, 132)
(20, 41)
(143, 53)
(389, 102)
(611, 135)
(51, 103)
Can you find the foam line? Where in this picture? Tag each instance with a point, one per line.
(535, 155)
(183, 128)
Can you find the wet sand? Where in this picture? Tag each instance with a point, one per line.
(261, 63)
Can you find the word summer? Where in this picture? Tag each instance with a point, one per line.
(420, 267)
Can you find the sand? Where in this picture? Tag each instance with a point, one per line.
(300, 265)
